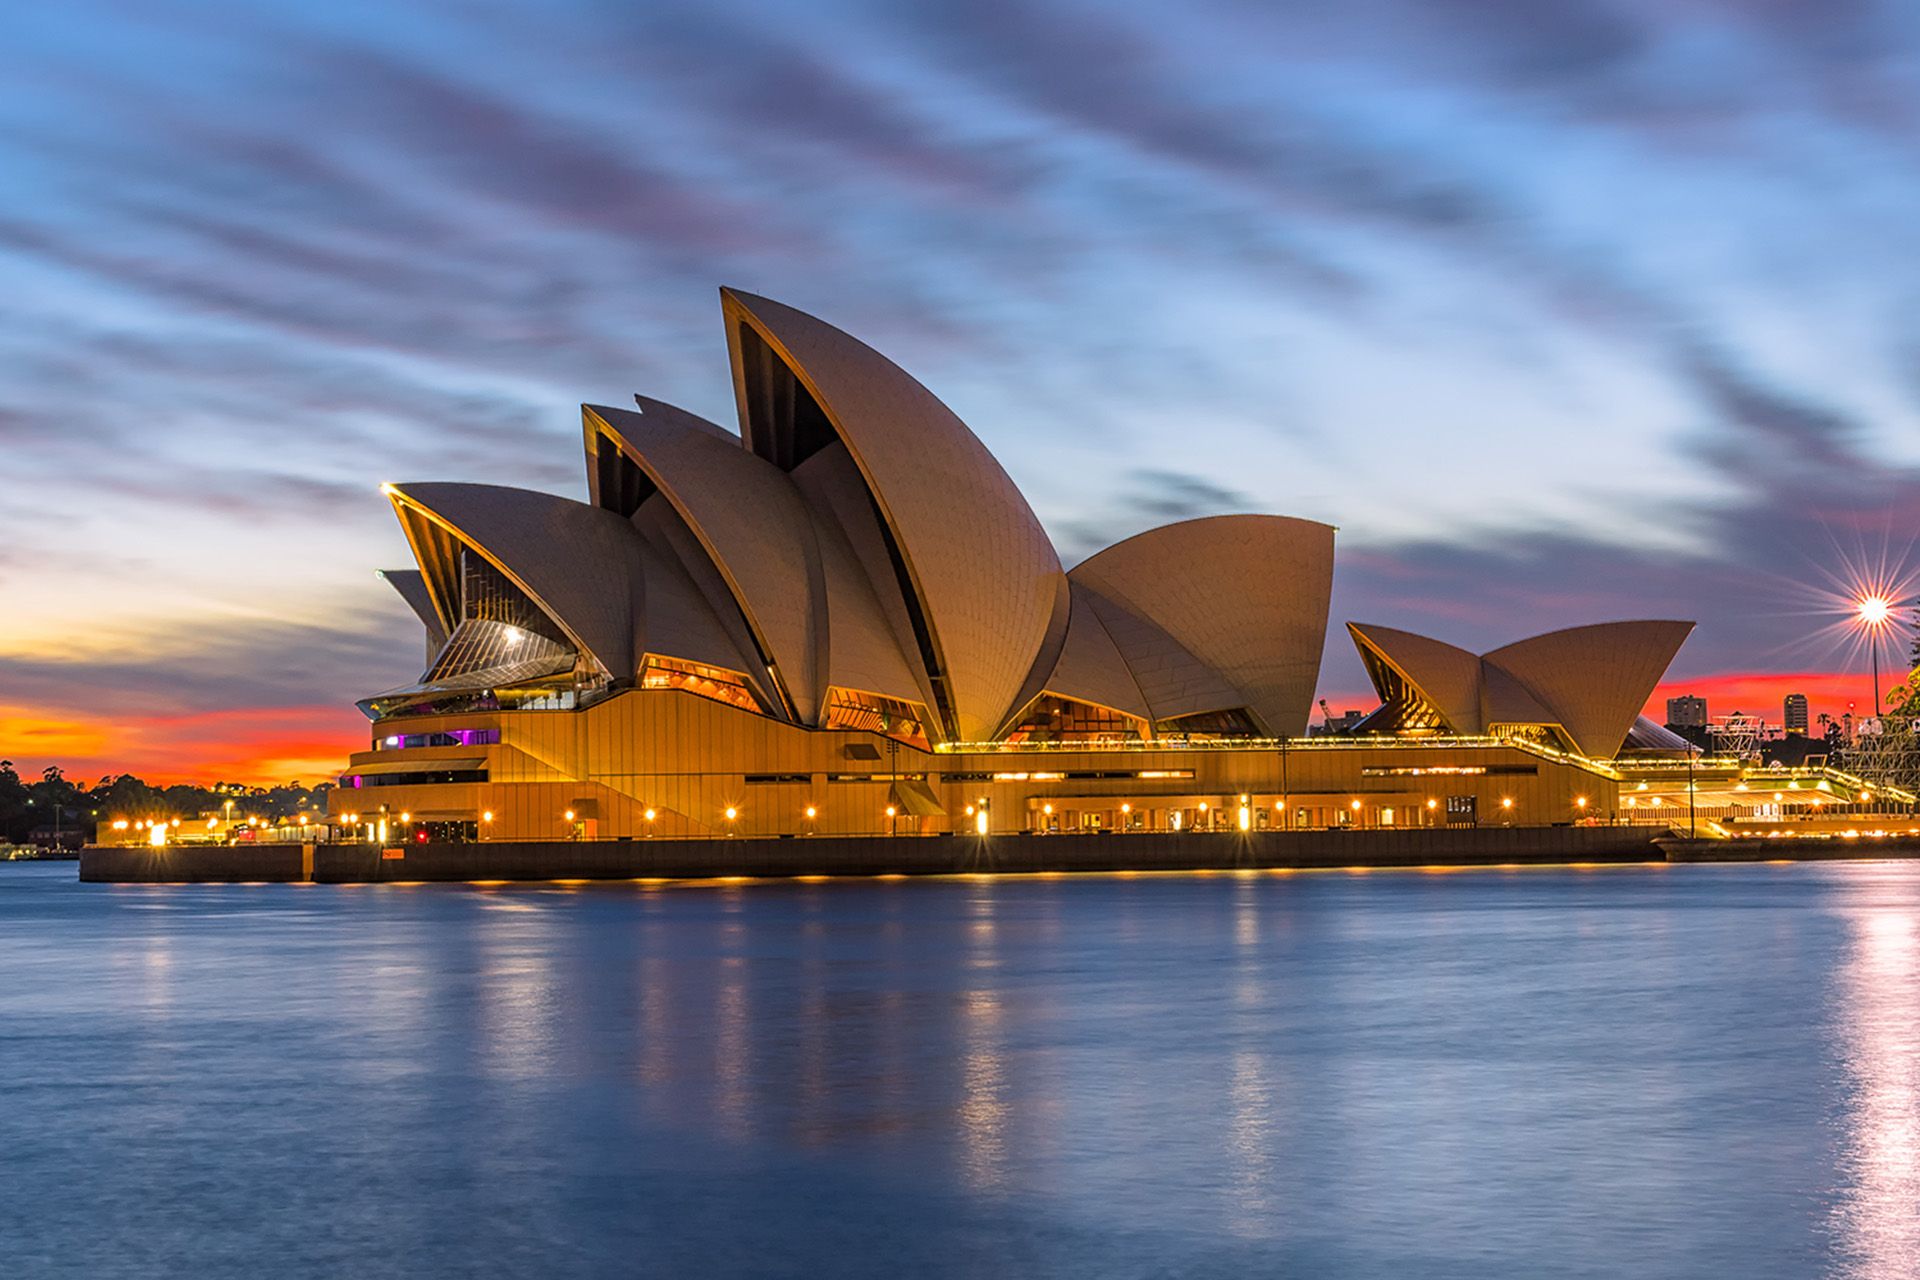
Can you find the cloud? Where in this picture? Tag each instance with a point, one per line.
(1498, 288)
(186, 667)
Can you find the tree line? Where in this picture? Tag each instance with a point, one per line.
(56, 806)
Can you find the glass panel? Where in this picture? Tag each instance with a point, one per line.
(716, 683)
(889, 717)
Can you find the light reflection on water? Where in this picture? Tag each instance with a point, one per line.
(1876, 1214)
(1707, 1071)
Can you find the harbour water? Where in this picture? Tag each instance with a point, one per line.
(1650, 1071)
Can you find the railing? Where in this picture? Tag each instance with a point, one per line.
(1330, 742)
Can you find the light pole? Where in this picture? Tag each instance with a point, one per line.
(1693, 830)
(1873, 612)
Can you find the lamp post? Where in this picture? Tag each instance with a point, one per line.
(1285, 797)
(1693, 831)
(1873, 612)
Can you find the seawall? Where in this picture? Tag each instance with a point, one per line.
(1790, 849)
(870, 855)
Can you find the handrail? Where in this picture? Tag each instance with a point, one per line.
(1329, 742)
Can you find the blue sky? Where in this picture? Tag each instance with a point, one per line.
(1560, 312)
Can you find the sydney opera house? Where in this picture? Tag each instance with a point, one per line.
(846, 619)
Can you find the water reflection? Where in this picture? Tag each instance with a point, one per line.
(1478, 1075)
(1876, 1220)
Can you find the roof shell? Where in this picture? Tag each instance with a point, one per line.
(1445, 675)
(1246, 595)
(751, 521)
(1590, 681)
(581, 564)
(1595, 678)
(979, 567)
(1091, 667)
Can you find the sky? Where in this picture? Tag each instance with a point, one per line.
(1561, 313)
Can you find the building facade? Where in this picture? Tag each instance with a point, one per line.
(1689, 711)
(846, 619)
(1794, 714)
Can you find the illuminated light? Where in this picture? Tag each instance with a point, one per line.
(212, 823)
(1203, 806)
(568, 815)
(1356, 806)
(969, 811)
(157, 835)
(732, 813)
(1777, 797)
(1433, 804)
(813, 812)
(1243, 799)
(487, 816)
(407, 817)
(1279, 805)
(1176, 819)
(1246, 817)
(1657, 802)
(1580, 801)
(891, 811)
(648, 815)
(119, 824)
(1506, 802)
(176, 822)
(1874, 610)
(980, 821)
(1126, 808)
(1046, 808)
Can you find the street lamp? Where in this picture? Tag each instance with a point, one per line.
(1874, 612)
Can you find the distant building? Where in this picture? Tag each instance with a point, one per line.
(1687, 712)
(1796, 714)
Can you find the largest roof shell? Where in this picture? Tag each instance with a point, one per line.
(975, 564)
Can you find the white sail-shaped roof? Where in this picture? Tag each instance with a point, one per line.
(976, 569)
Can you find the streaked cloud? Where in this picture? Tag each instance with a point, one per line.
(1560, 311)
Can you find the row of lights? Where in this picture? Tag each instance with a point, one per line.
(979, 812)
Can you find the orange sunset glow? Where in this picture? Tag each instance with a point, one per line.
(256, 746)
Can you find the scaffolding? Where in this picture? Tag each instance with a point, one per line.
(1739, 735)
(1886, 747)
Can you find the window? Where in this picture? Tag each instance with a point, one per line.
(424, 778)
(439, 738)
(1234, 722)
(1050, 718)
(890, 717)
(697, 678)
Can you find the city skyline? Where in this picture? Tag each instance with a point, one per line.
(267, 264)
